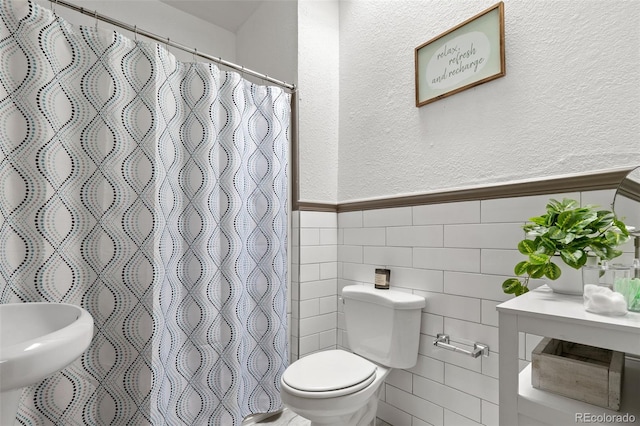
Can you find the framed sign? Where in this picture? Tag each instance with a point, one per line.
(470, 54)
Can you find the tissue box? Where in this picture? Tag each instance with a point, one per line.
(585, 373)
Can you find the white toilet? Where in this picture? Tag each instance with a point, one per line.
(337, 387)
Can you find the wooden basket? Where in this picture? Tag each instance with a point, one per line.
(585, 373)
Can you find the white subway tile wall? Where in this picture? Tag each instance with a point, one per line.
(318, 295)
(293, 292)
(454, 254)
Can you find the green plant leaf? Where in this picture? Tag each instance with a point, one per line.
(614, 238)
(554, 206)
(511, 285)
(547, 245)
(521, 268)
(552, 271)
(570, 236)
(568, 204)
(573, 258)
(621, 227)
(538, 258)
(536, 271)
(605, 215)
(565, 220)
(539, 220)
(523, 290)
(613, 253)
(599, 250)
(556, 233)
(527, 247)
(535, 230)
(585, 220)
(583, 260)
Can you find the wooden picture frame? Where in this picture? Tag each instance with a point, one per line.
(470, 54)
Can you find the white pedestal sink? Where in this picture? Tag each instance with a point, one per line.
(37, 340)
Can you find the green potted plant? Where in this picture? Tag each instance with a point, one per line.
(567, 233)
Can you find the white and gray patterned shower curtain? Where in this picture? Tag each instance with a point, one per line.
(154, 194)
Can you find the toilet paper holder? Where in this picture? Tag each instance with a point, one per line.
(442, 341)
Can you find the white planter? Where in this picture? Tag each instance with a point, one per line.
(570, 281)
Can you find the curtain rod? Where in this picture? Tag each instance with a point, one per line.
(169, 42)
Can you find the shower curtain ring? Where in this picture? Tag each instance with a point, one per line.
(195, 53)
(95, 16)
(53, 8)
(135, 33)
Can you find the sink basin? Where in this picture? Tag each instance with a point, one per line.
(37, 340)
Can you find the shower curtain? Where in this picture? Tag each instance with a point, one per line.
(153, 193)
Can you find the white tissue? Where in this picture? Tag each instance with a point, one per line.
(603, 300)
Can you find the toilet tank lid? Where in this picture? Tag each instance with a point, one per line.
(392, 298)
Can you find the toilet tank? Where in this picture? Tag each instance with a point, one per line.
(383, 325)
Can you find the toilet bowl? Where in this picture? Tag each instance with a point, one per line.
(334, 387)
(338, 387)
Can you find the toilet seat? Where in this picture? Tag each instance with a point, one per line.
(329, 374)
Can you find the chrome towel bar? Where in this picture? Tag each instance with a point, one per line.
(442, 341)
